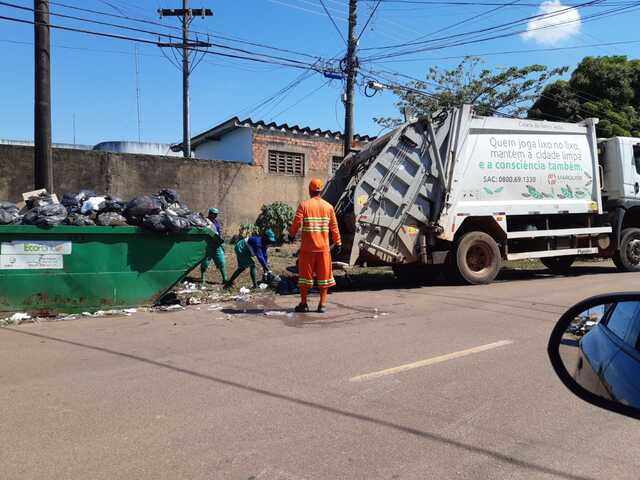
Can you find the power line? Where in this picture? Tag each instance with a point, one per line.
(483, 30)
(480, 3)
(333, 21)
(509, 52)
(479, 39)
(373, 12)
(173, 27)
(302, 99)
(150, 42)
(149, 32)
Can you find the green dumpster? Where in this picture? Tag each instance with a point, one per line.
(75, 269)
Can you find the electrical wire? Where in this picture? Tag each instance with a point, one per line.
(173, 27)
(373, 12)
(333, 21)
(504, 35)
(149, 32)
(498, 27)
(150, 42)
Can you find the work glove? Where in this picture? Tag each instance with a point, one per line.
(337, 249)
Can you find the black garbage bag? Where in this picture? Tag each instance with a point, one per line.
(155, 223)
(46, 215)
(112, 204)
(111, 219)
(140, 207)
(175, 224)
(84, 195)
(169, 195)
(197, 220)
(39, 200)
(79, 220)
(178, 210)
(71, 203)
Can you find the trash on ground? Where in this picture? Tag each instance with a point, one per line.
(168, 308)
(275, 313)
(244, 290)
(215, 307)
(263, 286)
(194, 301)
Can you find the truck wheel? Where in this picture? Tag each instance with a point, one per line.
(478, 258)
(560, 265)
(630, 250)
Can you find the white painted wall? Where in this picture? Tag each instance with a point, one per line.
(235, 146)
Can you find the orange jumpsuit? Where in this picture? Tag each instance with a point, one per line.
(317, 218)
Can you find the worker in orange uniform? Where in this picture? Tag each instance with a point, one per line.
(317, 218)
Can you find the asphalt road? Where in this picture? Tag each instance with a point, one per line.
(232, 395)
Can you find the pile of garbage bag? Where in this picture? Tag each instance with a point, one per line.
(163, 212)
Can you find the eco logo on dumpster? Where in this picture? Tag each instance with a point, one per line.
(39, 248)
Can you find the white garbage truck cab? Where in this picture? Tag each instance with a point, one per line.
(619, 159)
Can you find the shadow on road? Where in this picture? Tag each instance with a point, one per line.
(384, 279)
(507, 459)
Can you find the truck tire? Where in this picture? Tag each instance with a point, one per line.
(477, 258)
(629, 253)
(559, 265)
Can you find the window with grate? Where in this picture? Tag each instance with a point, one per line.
(335, 164)
(286, 163)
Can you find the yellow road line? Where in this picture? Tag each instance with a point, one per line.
(430, 361)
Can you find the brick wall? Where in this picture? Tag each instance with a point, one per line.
(318, 151)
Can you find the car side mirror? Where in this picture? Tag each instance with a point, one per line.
(595, 350)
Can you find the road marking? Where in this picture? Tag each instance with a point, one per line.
(430, 361)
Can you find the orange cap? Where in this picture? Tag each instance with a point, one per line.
(316, 185)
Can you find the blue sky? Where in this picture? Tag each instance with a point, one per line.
(94, 78)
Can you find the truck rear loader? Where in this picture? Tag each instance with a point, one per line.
(463, 193)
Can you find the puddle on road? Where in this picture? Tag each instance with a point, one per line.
(268, 308)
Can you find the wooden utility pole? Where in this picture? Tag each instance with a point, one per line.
(186, 15)
(351, 71)
(43, 161)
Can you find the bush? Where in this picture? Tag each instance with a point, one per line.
(277, 216)
(248, 229)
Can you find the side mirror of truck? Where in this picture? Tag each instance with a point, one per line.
(595, 351)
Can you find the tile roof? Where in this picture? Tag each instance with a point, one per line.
(223, 128)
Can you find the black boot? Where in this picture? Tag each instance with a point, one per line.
(302, 308)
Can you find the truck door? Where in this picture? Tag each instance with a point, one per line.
(631, 170)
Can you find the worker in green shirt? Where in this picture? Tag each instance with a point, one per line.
(218, 256)
(246, 249)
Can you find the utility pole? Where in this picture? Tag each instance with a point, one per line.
(185, 14)
(43, 162)
(351, 71)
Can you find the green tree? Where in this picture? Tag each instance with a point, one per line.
(509, 90)
(604, 87)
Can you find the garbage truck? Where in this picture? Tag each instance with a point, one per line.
(463, 193)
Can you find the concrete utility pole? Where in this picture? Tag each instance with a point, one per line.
(186, 15)
(43, 161)
(351, 71)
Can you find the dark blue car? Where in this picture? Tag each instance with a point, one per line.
(609, 355)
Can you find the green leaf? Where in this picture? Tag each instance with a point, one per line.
(498, 190)
(488, 190)
(526, 195)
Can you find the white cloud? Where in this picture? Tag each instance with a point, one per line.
(553, 27)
